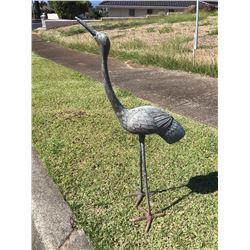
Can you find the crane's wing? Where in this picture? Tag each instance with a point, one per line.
(147, 120)
(162, 120)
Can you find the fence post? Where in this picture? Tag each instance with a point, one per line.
(196, 30)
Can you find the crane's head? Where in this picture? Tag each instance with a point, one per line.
(100, 37)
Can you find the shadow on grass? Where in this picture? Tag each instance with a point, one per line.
(200, 184)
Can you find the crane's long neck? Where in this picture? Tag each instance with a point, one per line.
(116, 104)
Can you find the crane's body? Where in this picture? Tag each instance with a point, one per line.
(150, 120)
(143, 120)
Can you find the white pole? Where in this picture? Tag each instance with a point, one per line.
(196, 29)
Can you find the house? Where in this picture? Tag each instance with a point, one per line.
(142, 8)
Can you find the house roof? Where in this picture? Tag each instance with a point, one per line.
(150, 4)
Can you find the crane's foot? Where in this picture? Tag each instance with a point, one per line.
(148, 217)
(140, 196)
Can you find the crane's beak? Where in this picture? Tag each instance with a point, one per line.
(87, 27)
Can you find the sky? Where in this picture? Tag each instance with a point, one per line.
(95, 2)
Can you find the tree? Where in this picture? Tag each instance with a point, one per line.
(37, 11)
(96, 13)
(70, 9)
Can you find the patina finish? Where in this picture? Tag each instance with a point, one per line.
(142, 121)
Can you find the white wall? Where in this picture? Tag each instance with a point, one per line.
(157, 11)
(120, 12)
(140, 12)
(50, 24)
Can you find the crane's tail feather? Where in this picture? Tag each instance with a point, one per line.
(174, 133)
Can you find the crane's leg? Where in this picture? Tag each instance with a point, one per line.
(148, 216)
(144, 170)
(140, 195)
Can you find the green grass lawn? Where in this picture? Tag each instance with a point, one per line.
(94, 162)
(163, 41)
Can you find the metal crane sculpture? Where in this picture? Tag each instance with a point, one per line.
(142, 121)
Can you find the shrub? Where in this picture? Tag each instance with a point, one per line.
(165, 29)
(213, 32)
(150, 29)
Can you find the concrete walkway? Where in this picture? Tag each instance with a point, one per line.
(191, 95)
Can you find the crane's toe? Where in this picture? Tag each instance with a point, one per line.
(148, 217)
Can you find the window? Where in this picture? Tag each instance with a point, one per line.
(149, 11)
(131, 12)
